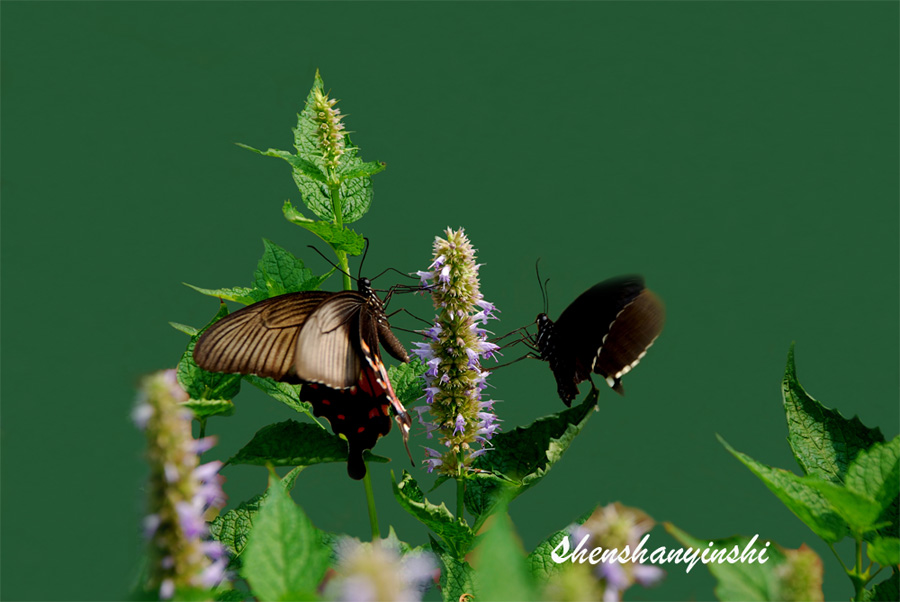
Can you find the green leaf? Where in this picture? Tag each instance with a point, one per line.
(524, 455)
(502, 570)
(201, 384)
(292, 443)
(241, 294)
(286, 393)
(858, 511)
(457, 577)
(356, 192)
(233, 528)
(454, 532)
(364, 170)
(204, 408)
(188, 330)
(406, 379)
(280, 272)
(886, 591)
(540, 561)
(786, 575)
(315, 195)
(875, 473)
(229, 595)
(306, 168)
(885, 551)
(806, 502)
(823, 441)
(338, 238)
(284, 558)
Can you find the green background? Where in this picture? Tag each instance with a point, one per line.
(741, 156)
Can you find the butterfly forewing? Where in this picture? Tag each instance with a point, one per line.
(259, 339)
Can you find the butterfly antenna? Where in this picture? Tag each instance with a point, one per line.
(331, 263)
(394, 270)
(543, 288)
(363, 260)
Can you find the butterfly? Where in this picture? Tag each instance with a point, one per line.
(606, 330)
(329, 343)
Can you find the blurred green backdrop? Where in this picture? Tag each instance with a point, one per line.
(742, 156)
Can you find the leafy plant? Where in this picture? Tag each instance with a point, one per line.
(274, 552)
(849, 486)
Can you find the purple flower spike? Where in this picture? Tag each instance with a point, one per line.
(456, 345)
(180, 490)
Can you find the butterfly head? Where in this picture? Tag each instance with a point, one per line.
(364, 285)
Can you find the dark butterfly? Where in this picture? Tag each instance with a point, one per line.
(606, 330)
(329, 343)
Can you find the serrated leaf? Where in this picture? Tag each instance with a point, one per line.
(364, 170)
(285, 558)
(315, 195)
(279, 272)
(858, 511)
(188, 330)
(200, 383)
(233, 528)
(823, 441)
(306, 168)
(753, 581)
(501, 570)
(455, 533)
(356, 192)
(524, 455)
(804, 501)
(885, 551)
(875, 473)
(406, 379)
(286, 393)
(338, 238)
(540, 561)
(886, 591)
(241, 294)
(457, 577)
(292, 443)
(205, 408)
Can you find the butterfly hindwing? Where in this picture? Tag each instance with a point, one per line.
(630, 335)
(357, 416)
(327, 350)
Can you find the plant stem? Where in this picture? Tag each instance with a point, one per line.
(338, 210)
(857, 576)
(460, 497)
(370, 498)
(202, 432)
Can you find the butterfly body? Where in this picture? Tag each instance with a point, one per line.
(606, 330)
(329, 343)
